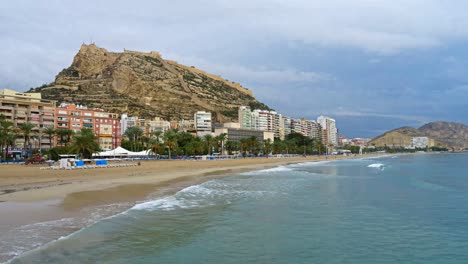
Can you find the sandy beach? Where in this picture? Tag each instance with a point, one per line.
(21, 183)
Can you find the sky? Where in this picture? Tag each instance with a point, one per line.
(373, 65)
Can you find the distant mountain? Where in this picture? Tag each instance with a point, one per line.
(146, 85)
(444, 134)
(453, 135)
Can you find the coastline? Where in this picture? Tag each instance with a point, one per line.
(33, 195)
(20, 183)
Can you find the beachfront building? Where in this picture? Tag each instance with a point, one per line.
(308, 128)
(202, 121)
(235, 133)
(313, 129)
(329, 130)
(286, 124)
(265, 120)
(106, 126)
(20, 108)
(147, 126)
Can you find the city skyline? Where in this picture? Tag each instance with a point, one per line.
(372, 66)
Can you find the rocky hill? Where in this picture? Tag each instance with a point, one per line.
(451, 134)
(443, 134)
(146, 85)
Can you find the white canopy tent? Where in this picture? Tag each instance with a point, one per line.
(121, 152)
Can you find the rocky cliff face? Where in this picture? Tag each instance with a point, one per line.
(451, 134)
(444, 134)
(146, 85)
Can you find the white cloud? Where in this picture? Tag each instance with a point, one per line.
(258, 75)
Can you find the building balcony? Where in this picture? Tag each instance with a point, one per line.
(7, 114)
(3, 107)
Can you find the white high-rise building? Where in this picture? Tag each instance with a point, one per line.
(286, 123)
(261, 120)
(127, 122)
(265, 120)
(245, 117)
(202, 123)
(329, 129)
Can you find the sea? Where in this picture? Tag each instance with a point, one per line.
(391, 209)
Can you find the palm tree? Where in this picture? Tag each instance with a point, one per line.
(209, 142)
(170, 140)
(6, 133)
(133, 134)
(267, 147)
(155, 148)
(144, 142)
(69, 133)
(64, 133)
(157, 134)
(26, 128)
(85, 143)
(318, 145)
(10, 139)
(171, 145)
(50, 132)
(244, 145)
(253, 144)
(232, 146)
(221, 138)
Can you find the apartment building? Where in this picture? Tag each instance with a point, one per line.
(245, 117)
(20, 108)
(330, 132)
(105, 125)
(202, 121)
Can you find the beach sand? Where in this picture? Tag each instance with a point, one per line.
(27, 183)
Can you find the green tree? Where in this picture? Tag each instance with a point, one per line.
(209, 142)
(232, 146)
(267, 147)
(195, 147)
(156, 148)
(221, 140)
(133, 134)
(26, 129)
(253, 144)
(170, 141)
(85, 143)
(50, 132)
(157, 135)
(8, 135)
(65, 136)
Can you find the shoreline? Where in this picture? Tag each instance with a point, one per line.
(47, 196)
(21, 183)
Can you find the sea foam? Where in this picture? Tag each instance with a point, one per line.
(377, 166)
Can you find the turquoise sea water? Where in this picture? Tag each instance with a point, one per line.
(398, 209)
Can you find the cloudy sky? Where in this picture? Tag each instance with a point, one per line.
(373, 65)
